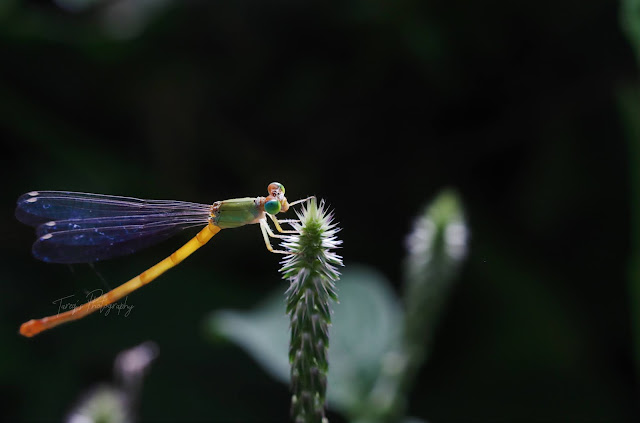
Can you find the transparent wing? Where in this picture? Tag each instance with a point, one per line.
(37, 207)
(79, 227)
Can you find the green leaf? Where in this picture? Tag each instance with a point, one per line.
(261, 332)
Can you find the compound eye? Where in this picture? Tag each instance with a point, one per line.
(275, 186)
(272, 207)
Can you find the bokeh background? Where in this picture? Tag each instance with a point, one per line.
(528, 109)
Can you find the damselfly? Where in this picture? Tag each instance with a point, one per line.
(77, 227)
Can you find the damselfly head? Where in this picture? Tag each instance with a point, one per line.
(275, 188)
(276, 201)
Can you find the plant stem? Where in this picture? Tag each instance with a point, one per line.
(311, 269)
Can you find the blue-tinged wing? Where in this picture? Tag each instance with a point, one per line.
(37, 207)
(79, 227)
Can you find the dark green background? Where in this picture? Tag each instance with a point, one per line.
(374, 106)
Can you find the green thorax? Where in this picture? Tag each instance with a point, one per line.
(236, 212)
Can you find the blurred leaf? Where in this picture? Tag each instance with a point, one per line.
(366, 324)
(261, 332)
(630, 17)
(629, 105)
(126, 19)
(76, 5)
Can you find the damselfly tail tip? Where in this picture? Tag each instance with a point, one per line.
(31, 328)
